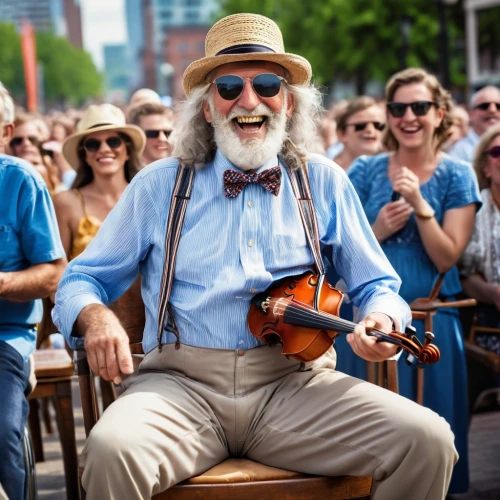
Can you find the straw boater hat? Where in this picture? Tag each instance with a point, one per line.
(97, 118)
(245, 37)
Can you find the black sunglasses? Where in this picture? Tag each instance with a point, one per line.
(419, 108)
(484, 106)
(231, 86)
(17, 141)
(358, 127)
(494, 152)
(154, 134)
(92, 145)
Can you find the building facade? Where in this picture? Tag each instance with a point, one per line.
(149, 43)
(62, 17)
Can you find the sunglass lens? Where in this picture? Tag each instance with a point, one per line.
(229, 86)
(15, 142)
(152, 134)
(92, 145)
(114, 142)
(358, 127)
(421, 108)
(267, 85)
(494, 152)
(397, 109)
(379, 126)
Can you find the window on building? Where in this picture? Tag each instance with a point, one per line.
(191, 16)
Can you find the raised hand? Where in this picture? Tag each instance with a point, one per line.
(391, 219)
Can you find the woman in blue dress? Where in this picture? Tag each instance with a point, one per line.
(421, 205)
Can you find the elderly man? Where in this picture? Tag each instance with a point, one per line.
(156, 122)
(207, 388)
(485, 112)
(31, 263)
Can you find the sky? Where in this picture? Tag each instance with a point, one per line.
(103, 23)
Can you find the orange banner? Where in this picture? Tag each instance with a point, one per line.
(28, 45)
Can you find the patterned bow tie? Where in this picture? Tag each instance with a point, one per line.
(234, 182)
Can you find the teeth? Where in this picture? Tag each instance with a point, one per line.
(249, 119)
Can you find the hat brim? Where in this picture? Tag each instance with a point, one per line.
(299, 70)
(70, 145)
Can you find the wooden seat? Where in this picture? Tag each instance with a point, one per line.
(244, 479)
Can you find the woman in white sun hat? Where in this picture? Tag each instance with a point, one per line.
(105, 152)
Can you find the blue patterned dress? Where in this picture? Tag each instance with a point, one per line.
(452, 185)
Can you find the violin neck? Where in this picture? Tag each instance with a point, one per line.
(301, 315)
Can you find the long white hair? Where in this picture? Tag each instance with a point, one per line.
(193, 137)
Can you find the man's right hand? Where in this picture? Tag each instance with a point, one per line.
(392, 217)
(106, 342)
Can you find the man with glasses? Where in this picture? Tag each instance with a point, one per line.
(31, 263)
(207, 388)
(484, 113)
(157, 123)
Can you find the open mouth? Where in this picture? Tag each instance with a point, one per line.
(411, 130)
(250, 123)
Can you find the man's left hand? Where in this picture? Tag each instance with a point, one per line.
(367, 346)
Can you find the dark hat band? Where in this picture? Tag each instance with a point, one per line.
(245, 48)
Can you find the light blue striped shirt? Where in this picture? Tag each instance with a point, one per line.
(465, 148)
(230, 249)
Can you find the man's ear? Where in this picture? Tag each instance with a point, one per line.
(6, 134)
(290, 104)
(206, 111)
(341, 136)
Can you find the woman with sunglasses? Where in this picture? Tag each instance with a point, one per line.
(105, 152)
(421, 205)
(359, 129)
(480, 263)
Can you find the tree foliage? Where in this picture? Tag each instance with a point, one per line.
(355, 39)
(69, 74)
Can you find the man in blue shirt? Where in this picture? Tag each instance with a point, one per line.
(216, 391)
(485, 112)
(31, 263)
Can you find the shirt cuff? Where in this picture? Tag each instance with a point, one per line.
(70, 312)
(397, 310)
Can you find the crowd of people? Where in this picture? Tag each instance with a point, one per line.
(415, 190)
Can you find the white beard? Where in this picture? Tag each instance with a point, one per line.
(253, 153)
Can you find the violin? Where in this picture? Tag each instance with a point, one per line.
(292, 312)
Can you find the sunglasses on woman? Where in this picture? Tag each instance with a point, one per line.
(17, 141)
(92, 145)
(419, 108)
(494, 152)
(231, 86)
(154, 134)
(484, 106)
(358, 127)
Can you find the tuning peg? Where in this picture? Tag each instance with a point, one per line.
(429, 338)
(411, 359)
(410, 330)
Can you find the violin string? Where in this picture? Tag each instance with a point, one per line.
(299, 312)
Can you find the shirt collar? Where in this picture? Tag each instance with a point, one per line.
(221, 163)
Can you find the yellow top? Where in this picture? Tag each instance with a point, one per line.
(87, 229)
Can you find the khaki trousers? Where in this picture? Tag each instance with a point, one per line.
(187, 410)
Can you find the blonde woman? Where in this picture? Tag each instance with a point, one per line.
(421, 205)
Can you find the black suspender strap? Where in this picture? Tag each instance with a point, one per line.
(180, 196)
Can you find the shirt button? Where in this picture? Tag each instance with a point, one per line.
(241, 341)
(253, 290)
(250, 243)
(250, 204)
(240, 352)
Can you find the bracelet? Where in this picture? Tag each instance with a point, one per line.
(425, 216)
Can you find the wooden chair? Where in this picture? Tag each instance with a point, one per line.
(483, 364)
(425, 309)
(54, 371)
(234, 478)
